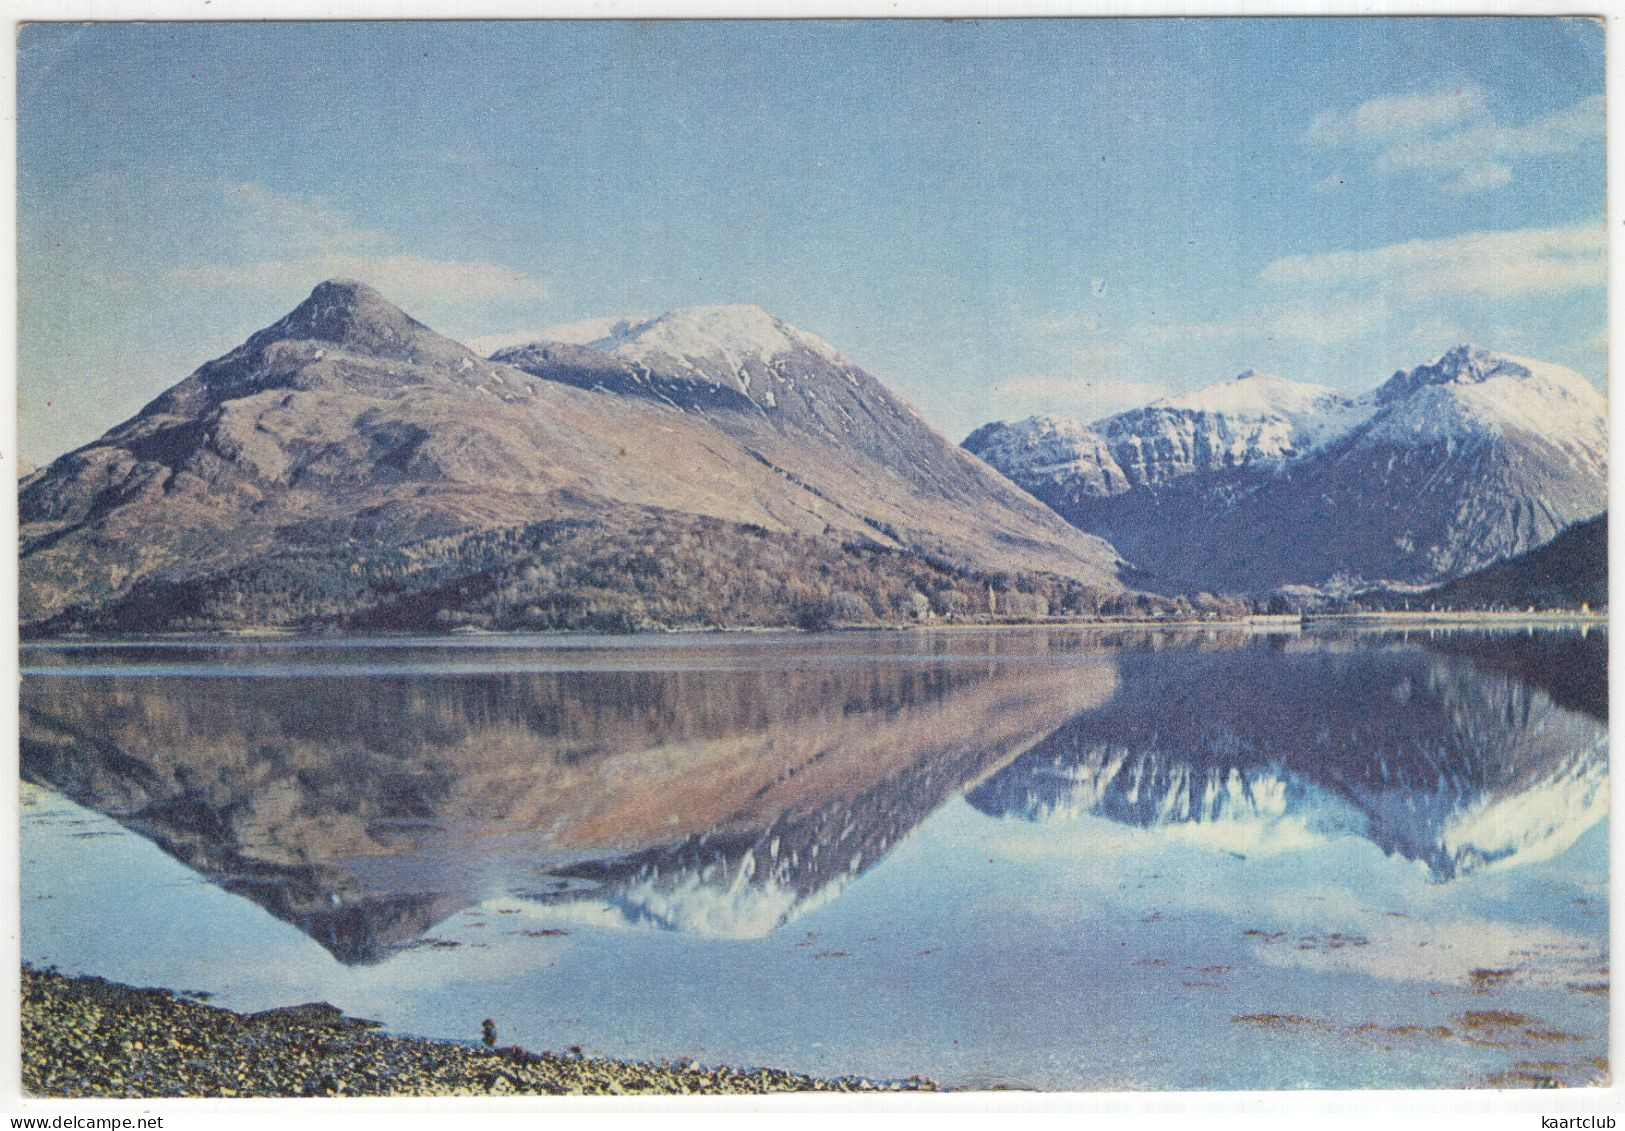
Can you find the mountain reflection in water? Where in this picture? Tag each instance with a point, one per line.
(723, 799)
(365, 809)
(1461, 766)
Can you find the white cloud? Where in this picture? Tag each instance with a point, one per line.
(1397, 116)
(290, 243)
(1507, 264)
(1478, 177)
(1563, 131)
(1453, 139)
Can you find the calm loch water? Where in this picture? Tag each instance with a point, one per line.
(1025, 858)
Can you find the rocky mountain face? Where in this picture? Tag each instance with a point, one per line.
(348, 462)
(1261, 483)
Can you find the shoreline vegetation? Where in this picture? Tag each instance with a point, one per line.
(1419, 618)
(84, 1036)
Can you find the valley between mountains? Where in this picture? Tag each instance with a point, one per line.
(349, 468)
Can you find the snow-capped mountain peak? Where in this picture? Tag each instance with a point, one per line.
(737, 347)
(1462, 365)
(1256, 394)
(703, 336)
(1475, 392)
(704, 340)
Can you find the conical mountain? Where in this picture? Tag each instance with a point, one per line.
(349, 466)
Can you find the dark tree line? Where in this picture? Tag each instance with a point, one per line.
(644, 571)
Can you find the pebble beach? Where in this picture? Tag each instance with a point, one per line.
(84, 1036)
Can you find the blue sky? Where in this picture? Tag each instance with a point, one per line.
(994, 217)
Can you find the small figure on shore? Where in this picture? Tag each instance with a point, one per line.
(488, 1032)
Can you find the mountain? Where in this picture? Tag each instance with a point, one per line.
(1260, 483)
(819, 421)
(1568, 571)
(348, 466)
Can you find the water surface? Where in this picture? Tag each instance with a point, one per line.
(1032, 858)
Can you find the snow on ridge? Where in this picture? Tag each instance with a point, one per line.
(728, 335)
(729, 345)
(731, 333)
(1467, 365)
(596, 333)
(1254, 393)
(1048, 449)
(1476, 392)
(1281, 414)
(1256, 417)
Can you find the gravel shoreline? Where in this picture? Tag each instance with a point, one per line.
(86, 1036)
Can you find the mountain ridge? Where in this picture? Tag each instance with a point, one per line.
(1438, 471)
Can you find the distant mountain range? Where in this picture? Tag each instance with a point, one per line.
(1262, 483)
(349, 467)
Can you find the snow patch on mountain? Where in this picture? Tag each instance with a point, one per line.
(704, 336)
(1050, 452)
(1255, 418)
(597, 333)
(1470, 393)
(725, 899)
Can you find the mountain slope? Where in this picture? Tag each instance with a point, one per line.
(826, 426)
(1568, 571)
(346, 451)
(1260, 483)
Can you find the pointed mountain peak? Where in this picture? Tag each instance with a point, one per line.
(1465, 364)
(353, 316)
